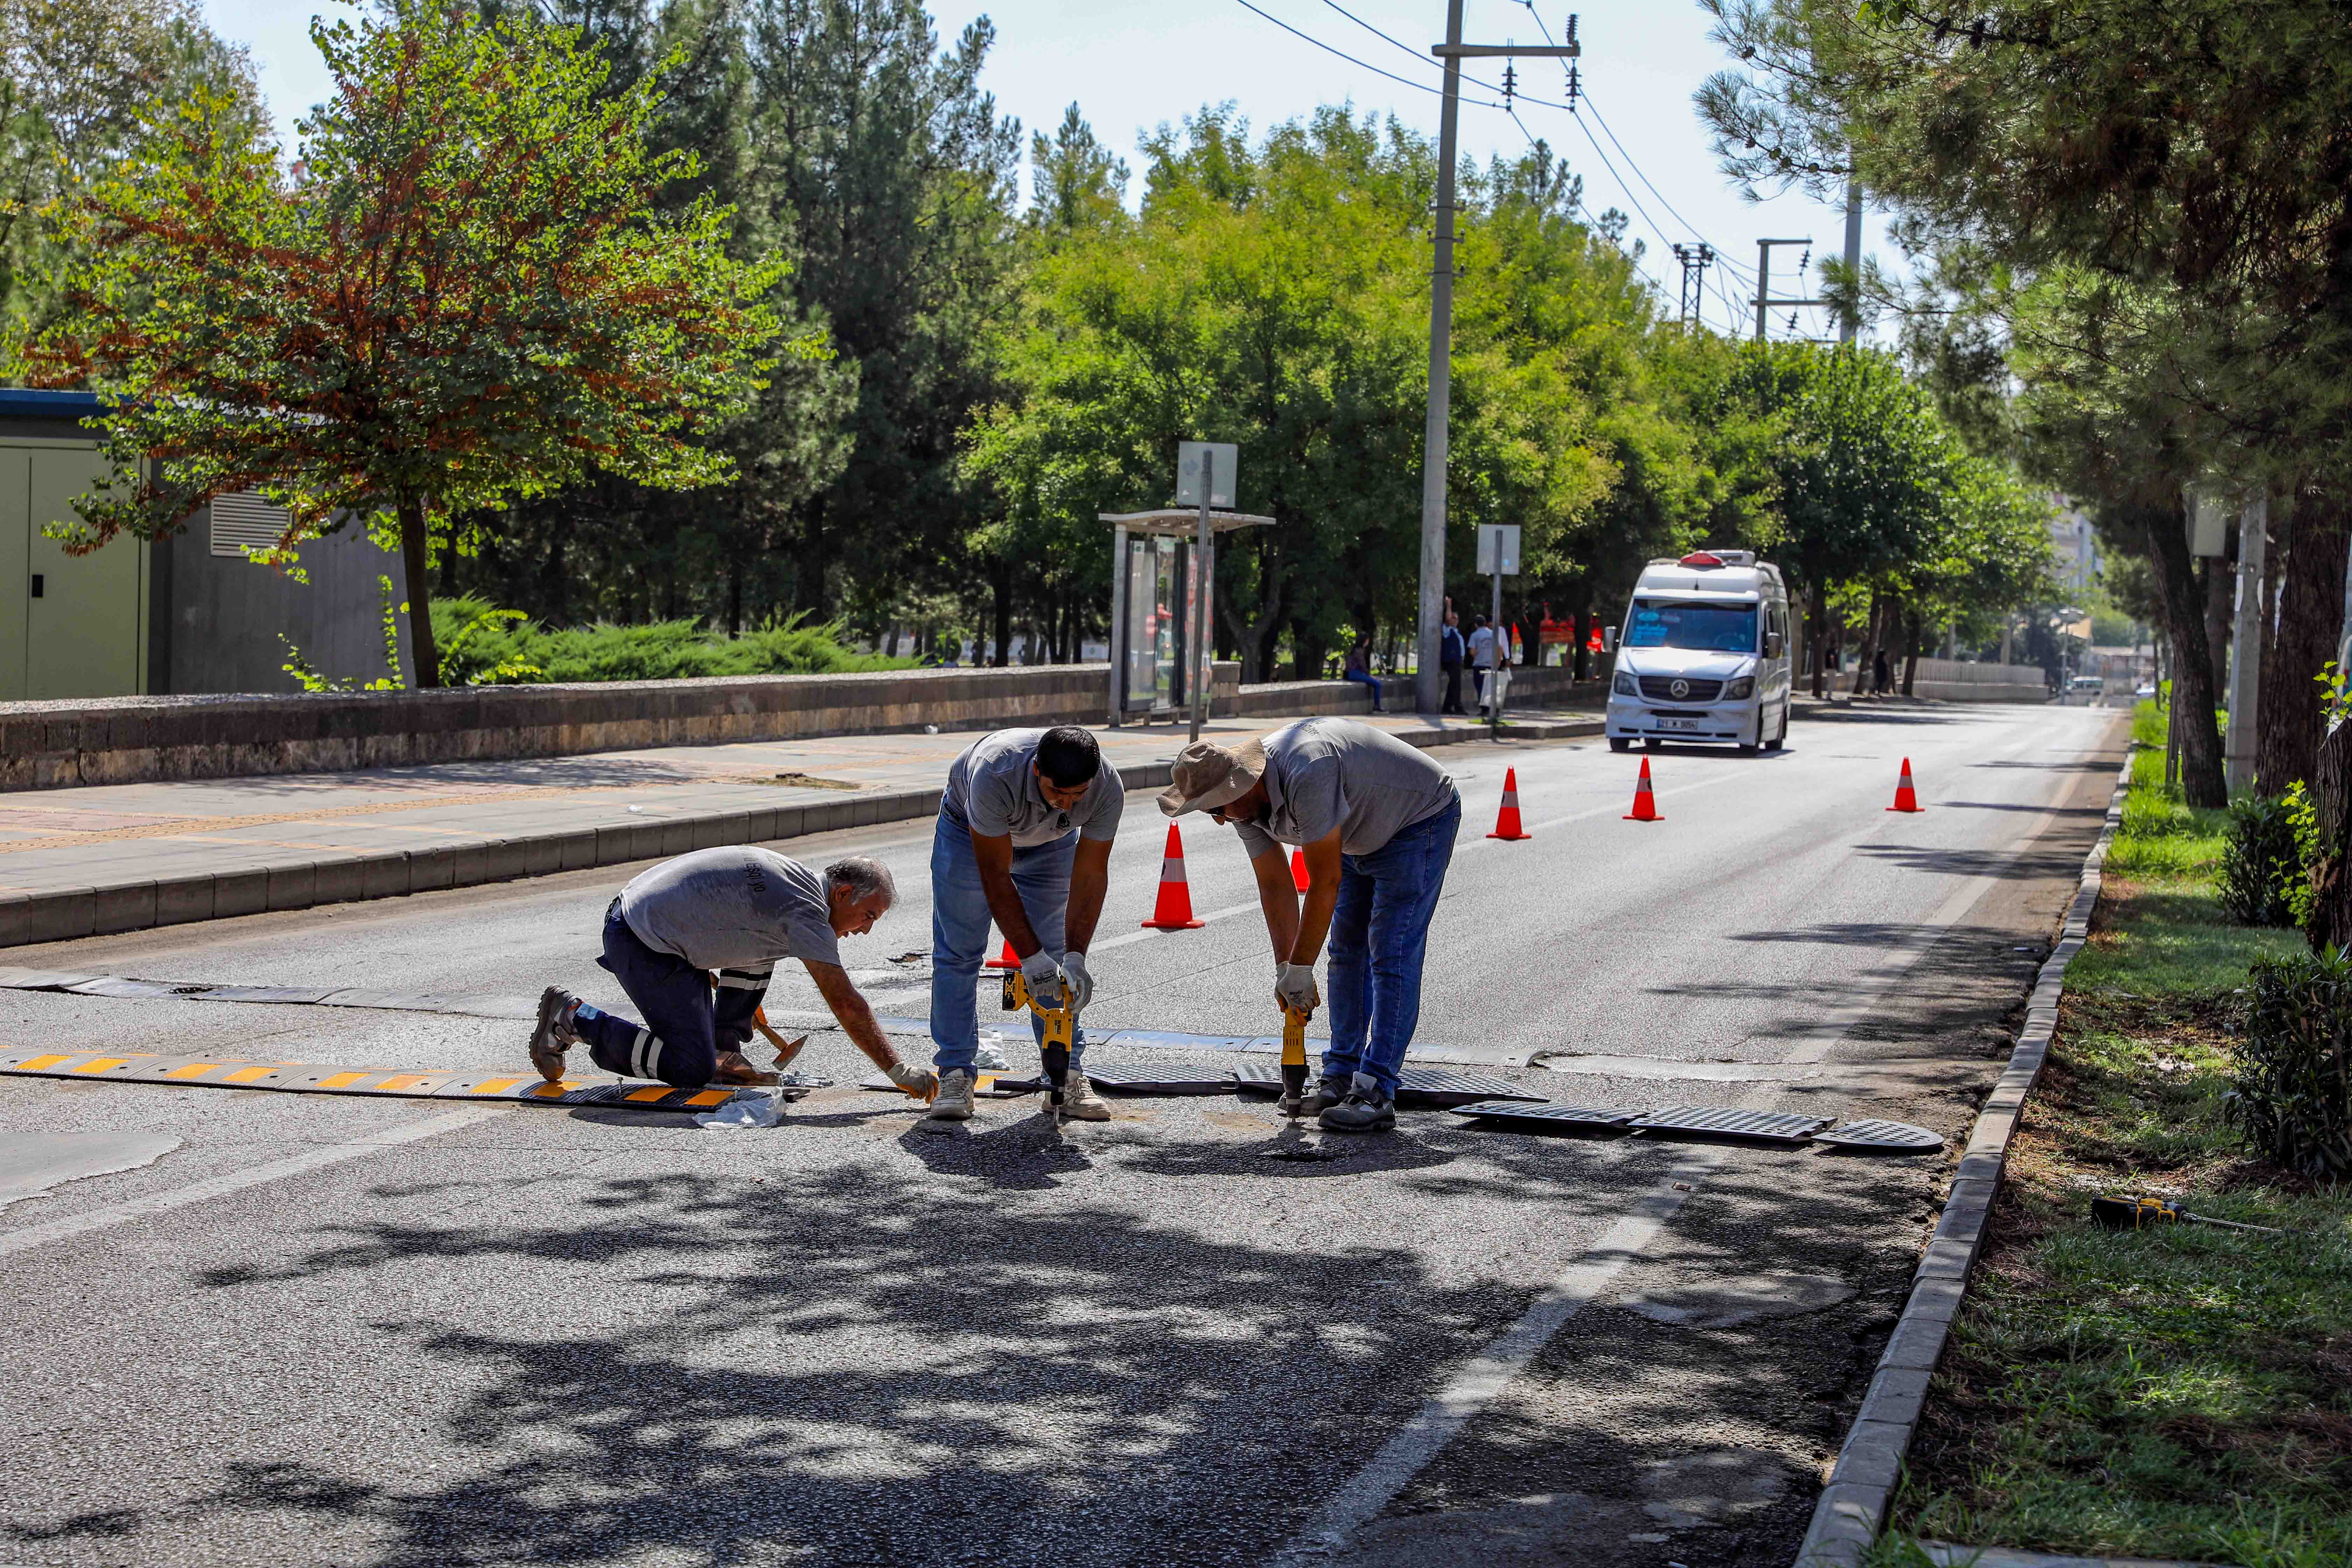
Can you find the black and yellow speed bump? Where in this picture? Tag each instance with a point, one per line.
(326, 1078)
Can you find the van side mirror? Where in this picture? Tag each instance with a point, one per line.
(1773, 645)
(1609, 640)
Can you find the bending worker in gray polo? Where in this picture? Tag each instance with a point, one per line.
(1023, 836)
(1376, 820)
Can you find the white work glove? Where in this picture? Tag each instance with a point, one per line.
(1082, 984)
(1045, 977)
(920, 1083)
(1294, 987)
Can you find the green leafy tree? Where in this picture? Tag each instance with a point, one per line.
(467, 293)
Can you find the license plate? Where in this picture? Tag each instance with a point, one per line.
(1678, 723)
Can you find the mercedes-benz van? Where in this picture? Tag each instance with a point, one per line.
(1703, 654)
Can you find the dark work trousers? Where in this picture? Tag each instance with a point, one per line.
(1452, 703)
(686, 1026)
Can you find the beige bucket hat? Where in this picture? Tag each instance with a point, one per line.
(1207, 775)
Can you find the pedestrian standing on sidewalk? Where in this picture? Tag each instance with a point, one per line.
(1451, 651)
(1482, 661)
(1360, 669)
(1376, 820)
(1024, 838)
(693, 943)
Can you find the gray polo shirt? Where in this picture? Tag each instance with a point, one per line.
(992, 791)
(1322, 774)
(732, 908)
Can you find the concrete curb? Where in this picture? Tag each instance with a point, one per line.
(65, 914)
(1854, 1504)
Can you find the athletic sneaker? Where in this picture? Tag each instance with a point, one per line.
(554, 1032)
(1324, 1095)
(1366, 1109)
(1081, 1103)
(954, 1101)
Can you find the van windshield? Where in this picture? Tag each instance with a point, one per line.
(1678, 623)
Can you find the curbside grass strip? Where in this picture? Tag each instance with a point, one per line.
(1854, 1503)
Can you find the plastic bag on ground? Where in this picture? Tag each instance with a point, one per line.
(744, 1110)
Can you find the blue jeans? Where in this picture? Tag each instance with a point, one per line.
(1363, 678)
(959, 922)
(1379, 935)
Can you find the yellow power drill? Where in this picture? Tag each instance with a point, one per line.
(1061, 1027)
(1294, 1060)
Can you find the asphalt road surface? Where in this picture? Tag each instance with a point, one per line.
(255, 1328)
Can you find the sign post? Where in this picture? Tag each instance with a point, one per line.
(1498, 555)
(1204, 476)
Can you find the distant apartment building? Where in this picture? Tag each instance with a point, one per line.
(2074, 544)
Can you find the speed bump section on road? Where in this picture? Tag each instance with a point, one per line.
(326, 1078)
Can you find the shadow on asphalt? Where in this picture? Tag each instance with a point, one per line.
(1108, 1386)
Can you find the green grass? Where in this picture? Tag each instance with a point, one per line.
(2181, 1393)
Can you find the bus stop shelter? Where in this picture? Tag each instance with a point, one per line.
(1160, 629)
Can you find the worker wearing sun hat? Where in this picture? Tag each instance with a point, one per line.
(1374, 817)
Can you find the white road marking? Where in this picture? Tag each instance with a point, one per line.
(1474, 1385)
(32, 1235)
(1480, 1380)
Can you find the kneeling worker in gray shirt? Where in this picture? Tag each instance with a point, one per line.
(727, 914)
(1377, 819)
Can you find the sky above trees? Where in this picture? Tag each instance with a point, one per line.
(1131, 65)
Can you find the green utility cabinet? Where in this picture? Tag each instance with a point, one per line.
(70, 626)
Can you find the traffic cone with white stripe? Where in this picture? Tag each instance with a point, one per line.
(1506, 821)
(1174, 910)
(1905, 798)
(1005, 960)
(1298, 877)
(1645, 804)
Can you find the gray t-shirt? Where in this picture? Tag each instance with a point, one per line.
(1322, 774)
(992, 791)
(732, 908)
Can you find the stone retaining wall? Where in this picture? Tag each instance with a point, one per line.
(133, 739)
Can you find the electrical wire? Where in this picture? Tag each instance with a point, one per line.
(1367, 64)
(1588, 217)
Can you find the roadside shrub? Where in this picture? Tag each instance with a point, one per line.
(2263, 880)
(485, 645)
(2292, 1092)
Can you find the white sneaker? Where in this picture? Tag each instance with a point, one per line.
(954, 1101)
(1080, 1102)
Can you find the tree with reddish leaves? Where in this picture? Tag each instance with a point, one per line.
(463, 292)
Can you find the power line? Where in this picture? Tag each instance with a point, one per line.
(1367, 64)
(1652, 187)
(1588, 216)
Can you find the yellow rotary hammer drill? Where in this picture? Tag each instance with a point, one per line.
(1061, 1027)
(1294, 1060)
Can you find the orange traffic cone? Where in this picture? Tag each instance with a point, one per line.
(1005, 960)
(1298, 877)
(1905, 798)
(1506, 821)
(1174, 910)
(1646, 806)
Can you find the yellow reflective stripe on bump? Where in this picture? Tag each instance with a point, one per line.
(103, 1063)
(712, 1097)
(494, 1085)
(405, 1081)
(38, 1063)
(341, 1079)
(194, 1070)
(647, 1093)
(247, 1074)
(544, 1092)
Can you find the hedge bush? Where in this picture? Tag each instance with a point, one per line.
(2263, 879)
(2292, 1088)
(492, 646)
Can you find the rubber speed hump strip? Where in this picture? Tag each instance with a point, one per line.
(324, 1077)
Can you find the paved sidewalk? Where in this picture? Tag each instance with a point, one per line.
(126, 857)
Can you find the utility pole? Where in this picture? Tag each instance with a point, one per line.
(1695, 261)
(1453, 52)
(1849, 322)
(1764, 301)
